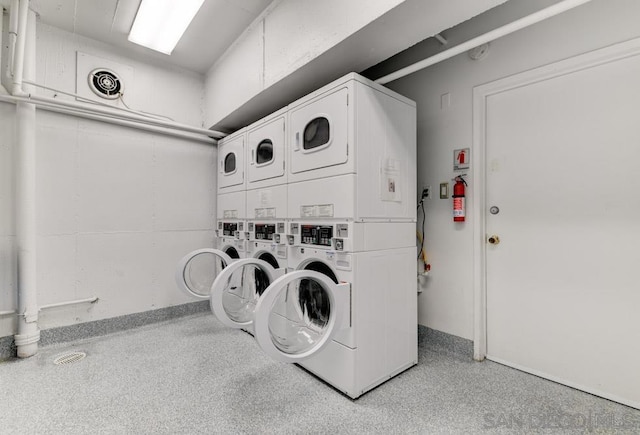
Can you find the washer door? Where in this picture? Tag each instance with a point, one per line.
(238, 288)
(315, 309)
(198, 269)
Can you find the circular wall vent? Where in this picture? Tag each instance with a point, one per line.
(105, 83)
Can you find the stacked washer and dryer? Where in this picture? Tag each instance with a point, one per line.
(329, 194)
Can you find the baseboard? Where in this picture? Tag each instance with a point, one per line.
(105, 326)
(436, 340)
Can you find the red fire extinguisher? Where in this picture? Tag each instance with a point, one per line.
(458, 199)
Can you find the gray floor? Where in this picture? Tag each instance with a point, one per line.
(192, 375)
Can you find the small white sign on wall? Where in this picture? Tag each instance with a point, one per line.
(461, 159)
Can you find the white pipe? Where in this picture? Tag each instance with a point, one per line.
(28, 333)
(21, 40)
(67, 303)
(441, 39)
(514, 26)
(114, 112)
(126, 123)
(7, 313)
(13, 34)
(111, 120)
(2, 7)
(99, 103)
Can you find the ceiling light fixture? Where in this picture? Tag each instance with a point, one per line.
(160, 24)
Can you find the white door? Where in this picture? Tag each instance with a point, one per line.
(299, 313)
(237, 289)
(563, 294)
(231, 164)
(198, 269)
(266, 152)
(319, 133)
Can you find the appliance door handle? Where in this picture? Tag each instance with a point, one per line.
(297, 147)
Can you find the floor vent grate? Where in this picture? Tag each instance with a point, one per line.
(69, 358)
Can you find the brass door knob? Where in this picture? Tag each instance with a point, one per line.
(494, 240)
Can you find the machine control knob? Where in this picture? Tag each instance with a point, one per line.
(339, 244)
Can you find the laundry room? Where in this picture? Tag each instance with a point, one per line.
(381, 217)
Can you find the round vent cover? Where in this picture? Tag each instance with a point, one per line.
(105, 83)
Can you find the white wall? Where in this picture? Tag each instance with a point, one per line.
(117, 207)
(301, 45)
(446, 303)
(291, 33)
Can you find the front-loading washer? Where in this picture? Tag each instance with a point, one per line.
(267, 240)
(346, 310)
(352, 148)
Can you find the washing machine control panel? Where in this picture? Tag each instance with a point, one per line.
(229, 229)
(265, 231)
(316, 234)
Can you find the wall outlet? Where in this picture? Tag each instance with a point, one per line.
(426, 192)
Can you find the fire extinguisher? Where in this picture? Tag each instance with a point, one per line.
(458, 199)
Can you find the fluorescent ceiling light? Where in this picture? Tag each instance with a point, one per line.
(160, 24)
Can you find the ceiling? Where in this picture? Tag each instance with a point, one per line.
(216, 26)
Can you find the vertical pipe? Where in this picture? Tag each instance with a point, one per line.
(28, 333)
(2, 7)
(12, 33)
(21, 40)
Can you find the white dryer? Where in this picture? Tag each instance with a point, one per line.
(352, 150)
(232, 163)
(266, 151)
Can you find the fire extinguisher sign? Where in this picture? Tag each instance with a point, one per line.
(461, 159)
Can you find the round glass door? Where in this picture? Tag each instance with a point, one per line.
(198, 269)
(314, 306)
(238, 288)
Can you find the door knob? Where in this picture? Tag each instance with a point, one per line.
(494, 240)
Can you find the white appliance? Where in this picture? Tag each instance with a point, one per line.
(347, 315)
(232, 197)
(268, 241)
(266, 151)
(346, 310)
(231, 163)
(266, 189)
(352, 151)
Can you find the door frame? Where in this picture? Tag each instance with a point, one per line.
(481, 93)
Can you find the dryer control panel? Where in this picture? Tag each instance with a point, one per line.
(316, 234)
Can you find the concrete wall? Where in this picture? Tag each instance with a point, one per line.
(446, 303)
(117, 207)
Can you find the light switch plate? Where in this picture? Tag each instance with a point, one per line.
(444, 190)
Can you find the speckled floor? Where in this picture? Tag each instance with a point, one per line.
(192, 375)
